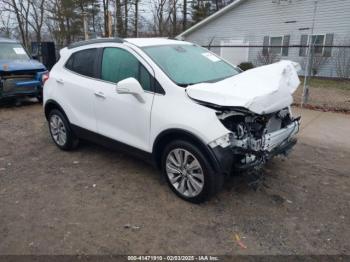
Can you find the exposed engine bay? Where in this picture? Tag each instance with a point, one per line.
(256, 138)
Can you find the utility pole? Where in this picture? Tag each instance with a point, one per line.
(309, 61)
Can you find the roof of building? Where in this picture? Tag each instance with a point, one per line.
(210, 18)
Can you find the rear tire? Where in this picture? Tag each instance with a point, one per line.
(61, 131)
(189, 173)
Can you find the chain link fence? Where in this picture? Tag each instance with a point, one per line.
(328, 84)
(325, 68)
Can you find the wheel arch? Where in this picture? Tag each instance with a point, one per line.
(52, 104)
(165, 137)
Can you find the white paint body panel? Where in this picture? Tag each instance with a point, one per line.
(265, 89)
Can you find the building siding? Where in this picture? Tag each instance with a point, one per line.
(251, 20)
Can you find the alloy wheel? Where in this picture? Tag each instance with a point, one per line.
(58, 130)
(185, 173)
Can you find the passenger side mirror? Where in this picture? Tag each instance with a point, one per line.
(131, 86)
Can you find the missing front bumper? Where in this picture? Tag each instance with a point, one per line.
(251, 153)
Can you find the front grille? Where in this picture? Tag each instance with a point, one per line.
(9, 85)
(9, 80)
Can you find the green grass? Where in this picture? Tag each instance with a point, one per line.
(328, 83)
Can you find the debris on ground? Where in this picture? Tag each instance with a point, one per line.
(239, 241)
(255, 178)
(277, 199)
(131, 226)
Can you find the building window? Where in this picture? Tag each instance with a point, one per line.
(318, 42)
(276, 41)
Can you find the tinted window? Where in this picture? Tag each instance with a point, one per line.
(82, 62)
(118, 64)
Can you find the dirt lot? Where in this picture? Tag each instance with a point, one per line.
(327, 94)
(95, 201)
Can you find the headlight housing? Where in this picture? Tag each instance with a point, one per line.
(223, 141)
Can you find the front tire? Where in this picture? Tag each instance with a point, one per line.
(189, 173)
(61, 132)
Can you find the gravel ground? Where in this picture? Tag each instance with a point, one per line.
(95, 201)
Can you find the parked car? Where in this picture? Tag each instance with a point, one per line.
(19, 74)
(177, 104)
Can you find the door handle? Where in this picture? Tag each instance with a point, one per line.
(100, 95)
(60, 81)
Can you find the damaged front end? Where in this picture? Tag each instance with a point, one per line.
(254, 138)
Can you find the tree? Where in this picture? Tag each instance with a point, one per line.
(136, 17)
(37, 17)
(184, 15)
(105, 4)
(21, 11)
(161, 17)
(5, 24)
(200, 10)
(173, 16)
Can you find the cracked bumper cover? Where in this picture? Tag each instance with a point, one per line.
(270, 145)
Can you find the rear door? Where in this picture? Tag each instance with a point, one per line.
(123, 117)
(75, 87)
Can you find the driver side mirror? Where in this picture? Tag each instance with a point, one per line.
(131, 86)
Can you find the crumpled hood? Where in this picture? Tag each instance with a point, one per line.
(262, 90)
(20, 65)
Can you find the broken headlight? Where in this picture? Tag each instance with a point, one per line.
(224, 141)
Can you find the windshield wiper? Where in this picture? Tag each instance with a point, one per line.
(185, 84)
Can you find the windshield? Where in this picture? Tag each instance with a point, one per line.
(12, 51)
(190, 64)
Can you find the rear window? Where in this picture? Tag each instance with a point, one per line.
(82, 62)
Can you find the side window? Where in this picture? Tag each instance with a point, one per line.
(118, 64)
(82, 62)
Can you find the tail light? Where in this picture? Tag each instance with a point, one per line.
(44, 77)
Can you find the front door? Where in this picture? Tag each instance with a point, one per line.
(123, 117)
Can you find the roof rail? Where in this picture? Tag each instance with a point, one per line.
(96, 41)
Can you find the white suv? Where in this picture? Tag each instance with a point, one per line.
(194, 115)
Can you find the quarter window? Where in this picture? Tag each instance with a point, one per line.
(82, 62)
(118, 64)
